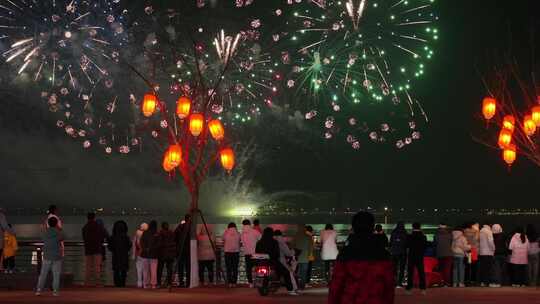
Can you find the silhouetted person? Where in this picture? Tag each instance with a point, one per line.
(183, 238)
(257, 225)
(249, 238)
(167, 253)
(93, 236)
(363, 271)
(416, 243)
(443, 242)
(149, 254)
(52, 256)
(398, 250)
(268, 245)
(381, 236)
(231, 247)
(534, 251)
(119, 245)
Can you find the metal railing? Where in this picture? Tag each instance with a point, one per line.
(29, 258)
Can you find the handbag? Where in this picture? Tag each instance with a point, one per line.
(474, 254)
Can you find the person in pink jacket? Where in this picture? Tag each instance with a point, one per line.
(519, 245)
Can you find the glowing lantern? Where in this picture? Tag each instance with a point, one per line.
(505, 138)
(529, 126)
(196, 124)
(183, 107)
(149, 104)
(489, 107)
(536, 115)
(510, 154)
(173, 156)
(166, 166)
(509, 123)
(216, 129)
(227, 158)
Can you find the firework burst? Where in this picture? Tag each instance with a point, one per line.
(354, 54)
(61, 40)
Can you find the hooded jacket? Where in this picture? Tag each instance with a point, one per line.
(398, 241)
(303, 243)
(284, 250)
(167, 245)
(205, 250)
(443, 239)
(417, 243)
(231, 240)
(249, 239)
(520, 254)
(329, 249)
(136, 242)
(472, 236)
(487, 244)
(460, 246)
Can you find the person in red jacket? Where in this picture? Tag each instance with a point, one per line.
(363, 273)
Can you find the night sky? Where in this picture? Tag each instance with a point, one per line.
(445, 169)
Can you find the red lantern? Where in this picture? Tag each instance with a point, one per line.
(216, 129)
(166, 166)
(183, 107)
(149, 104)
(173, 156)
(196, 124)
(509, 123)
(227, 158)
(489, 107)
(536, 115)
(505, 138)
(510, 154)
(529, 126)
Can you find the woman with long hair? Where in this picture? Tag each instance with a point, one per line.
(329, 250)
(519, 244)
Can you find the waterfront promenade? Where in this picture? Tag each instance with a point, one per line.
(249, 296)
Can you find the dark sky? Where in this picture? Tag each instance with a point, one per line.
(445, 169)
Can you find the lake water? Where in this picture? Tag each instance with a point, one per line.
(29, 227)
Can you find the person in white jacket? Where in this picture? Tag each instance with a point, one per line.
(519, 244)
(249, 238)
(231, 247)
(460, 248)
(329, 250)
(136, 252)
(486, 252)
(285, 254)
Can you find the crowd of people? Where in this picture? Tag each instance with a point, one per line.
(468, 255)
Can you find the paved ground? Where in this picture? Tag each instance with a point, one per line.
(247, 296)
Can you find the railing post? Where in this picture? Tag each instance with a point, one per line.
(39, 259)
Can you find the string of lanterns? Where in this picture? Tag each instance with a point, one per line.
(507, 136)
(196, 123)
